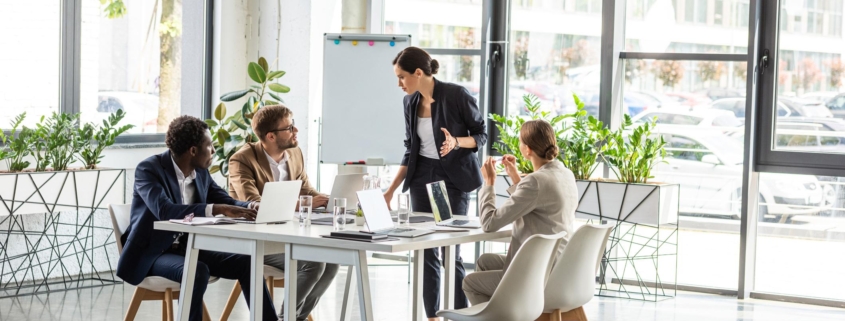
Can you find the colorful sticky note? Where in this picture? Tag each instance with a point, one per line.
(354, 42)
(372, 43)
(337, 41)
(392, 43)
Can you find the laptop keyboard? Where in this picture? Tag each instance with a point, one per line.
(397, 230)
(460, 222)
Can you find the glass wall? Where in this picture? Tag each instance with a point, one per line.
(131, 61)
(31, 59)
(436, 23)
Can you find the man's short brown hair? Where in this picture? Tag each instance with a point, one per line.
(267, 118)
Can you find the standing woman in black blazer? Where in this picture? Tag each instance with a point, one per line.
(443, 131)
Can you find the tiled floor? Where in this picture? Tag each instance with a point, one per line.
(391, 291)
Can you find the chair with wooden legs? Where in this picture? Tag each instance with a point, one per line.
(152, 287)
(275, 279)
(573, 279)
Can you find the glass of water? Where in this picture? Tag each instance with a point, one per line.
(404, 210)
(305, 204)
(338, 217)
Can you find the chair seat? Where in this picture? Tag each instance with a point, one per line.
(467, 314)
(160, 284)
(274, 272)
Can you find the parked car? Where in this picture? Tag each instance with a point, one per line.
(836, 105)
(632, 103)
(690, 99)
(824, 135)
(719, 93)
(696, 117)
(820, 96)
(806, 107)
(708, 166)
(141, 110)
(737, 106)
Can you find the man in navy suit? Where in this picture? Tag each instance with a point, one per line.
(173, 185)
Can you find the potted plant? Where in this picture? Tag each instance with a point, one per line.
(509, 130)
(359, 217)
(229, 134)
(104, 136)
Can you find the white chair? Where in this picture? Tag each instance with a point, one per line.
(152, 287)
(519, 297)
(275, 279)
(573, 279)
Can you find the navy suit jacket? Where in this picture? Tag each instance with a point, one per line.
(456, 110)
(156, 197)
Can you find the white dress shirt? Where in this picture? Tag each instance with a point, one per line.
(187, 189)
(425, 131)
(280, 169)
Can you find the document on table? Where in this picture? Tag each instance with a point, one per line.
(205, 221)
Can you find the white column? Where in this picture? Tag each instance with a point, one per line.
(354, 16)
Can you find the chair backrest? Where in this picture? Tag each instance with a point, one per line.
(120, 214)
(572, 281)
(519, 295)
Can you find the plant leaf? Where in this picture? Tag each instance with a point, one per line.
(211, 123)
(276, 97)
(275, 74)
(256, 73)
(263, 63)
(239, 124)
(279, 88)
(234, 95)
(220, 112)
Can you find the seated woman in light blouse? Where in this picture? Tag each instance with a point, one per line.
(542, 202)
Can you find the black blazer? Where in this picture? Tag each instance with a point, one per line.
(456, 110)
(156, 197)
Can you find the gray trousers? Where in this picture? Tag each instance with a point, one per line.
(479, 286)
(313, 278)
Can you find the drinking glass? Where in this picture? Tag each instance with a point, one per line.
(371, 182)
(404, 211)
(338, 217)
(305, 204)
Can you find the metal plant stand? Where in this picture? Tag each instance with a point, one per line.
(55, 231)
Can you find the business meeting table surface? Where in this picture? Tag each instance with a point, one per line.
(307, 243)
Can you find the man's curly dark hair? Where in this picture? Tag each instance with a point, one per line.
(185, 132)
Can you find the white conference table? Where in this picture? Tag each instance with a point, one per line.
(306, 243)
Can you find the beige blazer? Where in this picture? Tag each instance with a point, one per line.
(249, 170)
(543, 202)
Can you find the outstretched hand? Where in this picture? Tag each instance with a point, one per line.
(448, 144)
(488, 171)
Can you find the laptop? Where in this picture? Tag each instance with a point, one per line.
(442, 210)
(378, 216)
(278, 203)
(344, 186)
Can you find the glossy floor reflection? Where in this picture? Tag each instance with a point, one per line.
(390, 291)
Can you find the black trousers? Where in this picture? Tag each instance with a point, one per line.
(225, 265)
(427, 171)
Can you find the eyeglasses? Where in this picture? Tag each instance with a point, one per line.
(290, 128)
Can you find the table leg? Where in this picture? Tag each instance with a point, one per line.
(416, 296)
(189, 272)
(364, 300)
(346, 294)
(256, 281)
(290, 284)
(449, 278)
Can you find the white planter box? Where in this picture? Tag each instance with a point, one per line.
(650, 204)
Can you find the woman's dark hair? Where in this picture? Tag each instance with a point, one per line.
(185, 132)
(540, 137)
(412, 58)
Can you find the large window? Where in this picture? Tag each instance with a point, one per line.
(687, 26)
(436, 24)
(131, 61)
(30, 60)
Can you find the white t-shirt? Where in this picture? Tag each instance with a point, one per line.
(428, 149)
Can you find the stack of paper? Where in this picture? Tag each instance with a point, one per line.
(205, 221)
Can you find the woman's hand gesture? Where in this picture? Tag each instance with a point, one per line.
(448, 144)
(510, 167)
(488, 171)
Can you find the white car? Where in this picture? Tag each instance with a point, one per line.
(708, 166)
(695, 117)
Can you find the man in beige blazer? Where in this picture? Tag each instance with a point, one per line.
(274, 158)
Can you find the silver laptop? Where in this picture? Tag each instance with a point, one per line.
(378, 216)
(442, 210)
(278, 202)
(344, 186)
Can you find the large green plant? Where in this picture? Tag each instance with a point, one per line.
(14, 147)
(230, 133)
(509, 130)
(62, 143)
(104, 136)
(583, 143)
(633, 154)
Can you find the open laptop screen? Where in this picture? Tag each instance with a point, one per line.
(375, 210)
(439, 198)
